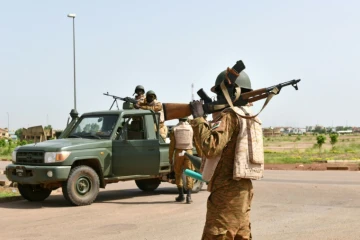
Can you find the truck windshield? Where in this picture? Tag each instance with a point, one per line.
(95, 127)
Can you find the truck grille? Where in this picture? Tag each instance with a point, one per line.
(30, 157)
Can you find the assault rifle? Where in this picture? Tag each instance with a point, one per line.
(245, 98)
(125, 99)
(179, 110)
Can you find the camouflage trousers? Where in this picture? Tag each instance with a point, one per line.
(181, 163)
(228, 212)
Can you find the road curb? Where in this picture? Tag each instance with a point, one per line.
(343, 161)
(337, 168)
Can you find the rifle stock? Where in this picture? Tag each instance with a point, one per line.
(176, 110)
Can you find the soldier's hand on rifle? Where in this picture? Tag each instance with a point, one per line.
(197, 109)
(137, 106)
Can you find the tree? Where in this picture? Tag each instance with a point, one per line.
(319, 129)
(320, 140)
(93, 127)
(333, 139)
(329, 129)
(2, 142)
(47, 127)
(23, 142)
(19, 132)
(339, 128)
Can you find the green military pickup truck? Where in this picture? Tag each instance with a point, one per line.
(94, 150)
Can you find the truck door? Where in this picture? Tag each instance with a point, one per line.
(136, 151)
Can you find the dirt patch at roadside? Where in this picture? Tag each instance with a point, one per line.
(314, 166)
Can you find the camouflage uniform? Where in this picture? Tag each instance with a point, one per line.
(228, 206)
(140, 98)
(181, 162)
(156, 106)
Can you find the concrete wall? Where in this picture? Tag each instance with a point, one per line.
(37, 134)
(4, 133)
(269, 132)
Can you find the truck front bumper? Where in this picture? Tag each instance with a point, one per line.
(25, 174)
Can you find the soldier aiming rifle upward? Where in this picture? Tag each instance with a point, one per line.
(232, 147)
(180, 110)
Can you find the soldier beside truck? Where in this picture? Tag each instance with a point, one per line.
(94, 150)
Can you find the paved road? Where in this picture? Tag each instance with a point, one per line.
(287, 205)
(3, 164)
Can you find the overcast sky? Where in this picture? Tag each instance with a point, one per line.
(168, 45)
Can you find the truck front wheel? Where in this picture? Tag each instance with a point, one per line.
(148, 185)
(82, 186)
(33, 193)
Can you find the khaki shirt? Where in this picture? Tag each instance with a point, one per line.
(155, 105)
(216, 139)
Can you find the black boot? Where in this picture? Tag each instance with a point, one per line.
(181, 197)
(188, 196)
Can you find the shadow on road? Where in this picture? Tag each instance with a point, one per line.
(105, 196)
(113, 195)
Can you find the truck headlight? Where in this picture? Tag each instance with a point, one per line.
(13, 156)
(51, 157)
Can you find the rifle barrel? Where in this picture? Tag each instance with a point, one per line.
(284, 84)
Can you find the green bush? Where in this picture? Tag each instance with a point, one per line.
(320, 140)
(8, 150)
(333, 139)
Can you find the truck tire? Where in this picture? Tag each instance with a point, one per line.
(82, 186)
(196, 187)
(64, 193)
(33, 193)
(148, 185)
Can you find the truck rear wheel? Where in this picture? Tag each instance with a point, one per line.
(148, 185)
(82, 186)
(33, 193)
(197, 184)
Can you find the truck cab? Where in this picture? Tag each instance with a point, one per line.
(94, 150)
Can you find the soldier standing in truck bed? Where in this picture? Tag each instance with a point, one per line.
(151, 103)
(140, 93)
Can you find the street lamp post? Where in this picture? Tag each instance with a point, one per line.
(73, 15)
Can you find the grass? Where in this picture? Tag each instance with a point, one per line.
(8, 192)
(303, 149)
(5, 152)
